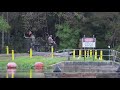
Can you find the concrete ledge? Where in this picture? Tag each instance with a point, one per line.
(82, 75)
(73, 66)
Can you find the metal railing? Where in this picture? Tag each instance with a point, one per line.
(92, 54)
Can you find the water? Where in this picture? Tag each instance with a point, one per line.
(69, 70)
(13, 73)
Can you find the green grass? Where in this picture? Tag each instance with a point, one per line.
(24, 62)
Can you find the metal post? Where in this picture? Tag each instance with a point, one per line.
(93, 54)
(84, 54)
(30, 52)
(113, 52)
(90, 53)
(12, 54)
(101, 55)
(30, 73)
(68, 55)
(7, 50)
(84, 51)
(109, 52)
(12, 75)
(79, 53)
(6, 75)
(115, 56)
(96, 54)
(74, 54)
(52, 51)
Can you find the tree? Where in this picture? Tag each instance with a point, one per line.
(68, 30)
(69, 37)
(4, 26)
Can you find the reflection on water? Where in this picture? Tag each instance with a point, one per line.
(11, 71)
(39, 74)
(14, 73)
(26, 73)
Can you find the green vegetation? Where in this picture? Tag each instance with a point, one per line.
(25, 63)
(69, 37)
(67, 28)
(4, 26)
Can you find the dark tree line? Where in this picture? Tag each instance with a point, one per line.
(66, 27)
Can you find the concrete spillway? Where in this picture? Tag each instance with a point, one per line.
(74, 69)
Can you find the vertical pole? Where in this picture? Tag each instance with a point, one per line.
(7, 50)
(101, 55)
(68, 55)
(30, 52)
(93, 50)
(12, 75)
(79, 53)
(109, 54)
(30, 73)
(113, 55)
(6, 75)
(90, 53)
(74, 53)
(13, 55)
(84, 54)
(95, 54)
(84, 51)
(52, 51)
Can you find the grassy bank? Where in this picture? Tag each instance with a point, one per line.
(24, 62)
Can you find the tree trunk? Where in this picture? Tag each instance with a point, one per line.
(2, 37)
(8, 33)
(2, 40)
(46, 31)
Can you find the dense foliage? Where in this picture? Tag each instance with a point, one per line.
(67, 28)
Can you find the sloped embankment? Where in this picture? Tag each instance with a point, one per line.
(74, 69)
